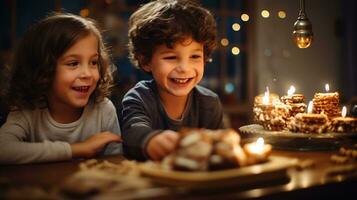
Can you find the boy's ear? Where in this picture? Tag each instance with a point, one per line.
(144, 65)
(146, 68)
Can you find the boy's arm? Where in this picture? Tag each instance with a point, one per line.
(136, 126)
(14, 149)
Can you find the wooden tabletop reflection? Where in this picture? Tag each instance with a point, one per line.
(316, 176)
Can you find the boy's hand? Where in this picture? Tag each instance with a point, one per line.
(162, 144)
(94, 144)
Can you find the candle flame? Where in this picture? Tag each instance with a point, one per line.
(258, 146)
(266, 97)
(309, 107)
(327, 87)
(260, 141)
(291, 90)
(344, 111)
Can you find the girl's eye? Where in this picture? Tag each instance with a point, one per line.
(94, 63)
(72, 63)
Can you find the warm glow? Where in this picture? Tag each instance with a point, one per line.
(281, 14)
(258, 146)
(244, 17)
(235, 50)
(236, 27)
(84, 12)
(303, 41)
(291, 90)
(260, 142)
(224, 42)
(266, 97)
(265, 13)
(344, 111)
(327, 87)
(309, 107)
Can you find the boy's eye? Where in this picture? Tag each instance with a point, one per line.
(170, 57)
(196, 56)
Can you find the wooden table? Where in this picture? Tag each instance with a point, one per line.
(317, 181)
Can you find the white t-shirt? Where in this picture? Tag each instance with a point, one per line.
(34, 136)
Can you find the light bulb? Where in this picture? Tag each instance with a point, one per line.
(302, 34)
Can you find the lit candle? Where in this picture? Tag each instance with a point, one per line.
(343, 123)
(344, 111)
(309, 107)
(327, 102)
(257, 151)
(266, 97)
(291, 91)
(327, 87)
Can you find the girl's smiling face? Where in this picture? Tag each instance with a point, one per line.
(77, 74)
(177, 70)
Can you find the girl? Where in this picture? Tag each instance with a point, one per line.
(57, 95)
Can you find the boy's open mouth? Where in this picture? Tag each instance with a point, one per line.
(81, 89)
(181, 80)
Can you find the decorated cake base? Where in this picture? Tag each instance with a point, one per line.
(344, 124)
(309, 123)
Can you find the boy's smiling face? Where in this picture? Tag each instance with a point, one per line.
(177, 70)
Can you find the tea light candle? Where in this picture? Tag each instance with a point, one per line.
(257, 151)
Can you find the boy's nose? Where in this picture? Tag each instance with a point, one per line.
(183, 66)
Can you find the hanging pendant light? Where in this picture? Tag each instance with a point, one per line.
(302, 34)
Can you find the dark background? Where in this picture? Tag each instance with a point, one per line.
(265, 46)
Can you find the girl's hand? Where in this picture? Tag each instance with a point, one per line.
(94, 144)
(162, 144)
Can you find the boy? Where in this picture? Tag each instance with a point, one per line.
(171, 39)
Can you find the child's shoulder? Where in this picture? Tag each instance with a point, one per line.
(27, 115)
(144, 85)
(142, 88)
(205, 92)
(206, 98)
(105, 105)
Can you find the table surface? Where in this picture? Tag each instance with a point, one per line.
(323, 178)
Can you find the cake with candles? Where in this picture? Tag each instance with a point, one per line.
(270, 112)
(309, 122)
(295, 101)
(343, 123)
(327, 103)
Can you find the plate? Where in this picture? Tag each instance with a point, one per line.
(287, 140)
(274, 169)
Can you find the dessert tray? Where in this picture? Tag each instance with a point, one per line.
(273, 169)
(287, 140)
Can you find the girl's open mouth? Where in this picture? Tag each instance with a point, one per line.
(83, 89)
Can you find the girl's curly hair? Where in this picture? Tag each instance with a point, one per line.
(34, 65)
(167, 22)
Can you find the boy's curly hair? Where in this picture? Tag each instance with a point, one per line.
(34, 65)
(167, 22)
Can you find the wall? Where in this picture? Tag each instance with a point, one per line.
(278, 63)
